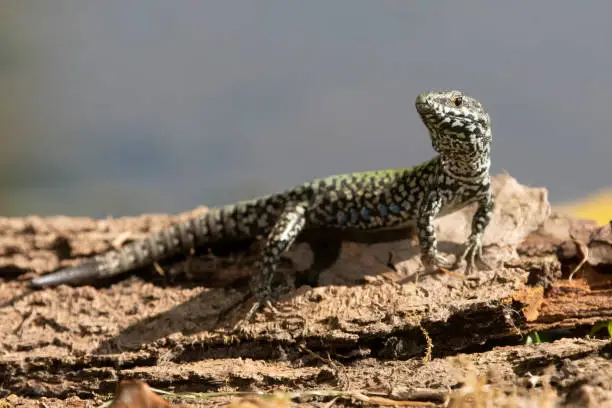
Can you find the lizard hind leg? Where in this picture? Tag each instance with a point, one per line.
(289, 224)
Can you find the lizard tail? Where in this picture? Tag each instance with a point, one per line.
(232, 221)
(79, 274)
(159, 245)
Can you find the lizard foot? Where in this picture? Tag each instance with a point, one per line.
(257, 306)
(433, 263)
(472, 255)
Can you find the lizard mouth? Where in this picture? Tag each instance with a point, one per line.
(422, 103)
(423, 107)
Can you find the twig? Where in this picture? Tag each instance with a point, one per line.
(583, 250)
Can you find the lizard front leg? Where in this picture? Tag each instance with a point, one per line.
(283, 234)
(430, 257)
(480, 221)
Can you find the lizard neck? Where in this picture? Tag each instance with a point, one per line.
(470, 169)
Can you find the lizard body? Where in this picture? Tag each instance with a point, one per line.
(460, 132)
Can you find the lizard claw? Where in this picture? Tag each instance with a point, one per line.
(257, 306)
(435, 261)
(472, 255)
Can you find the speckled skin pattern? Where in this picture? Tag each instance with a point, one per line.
(460, 132)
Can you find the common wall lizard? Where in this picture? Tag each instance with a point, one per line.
(460, 131)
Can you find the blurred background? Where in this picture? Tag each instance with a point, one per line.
(121, 107)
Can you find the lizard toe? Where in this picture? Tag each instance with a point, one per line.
(443, 262)
(257, 306)
(474, 260)
(239, 326)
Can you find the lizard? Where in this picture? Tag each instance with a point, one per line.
(395, 199)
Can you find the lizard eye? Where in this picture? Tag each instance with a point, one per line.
(457, 100)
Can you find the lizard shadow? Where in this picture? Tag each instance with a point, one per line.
(225, 298)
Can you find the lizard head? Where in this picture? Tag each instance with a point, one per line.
(458, 125)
